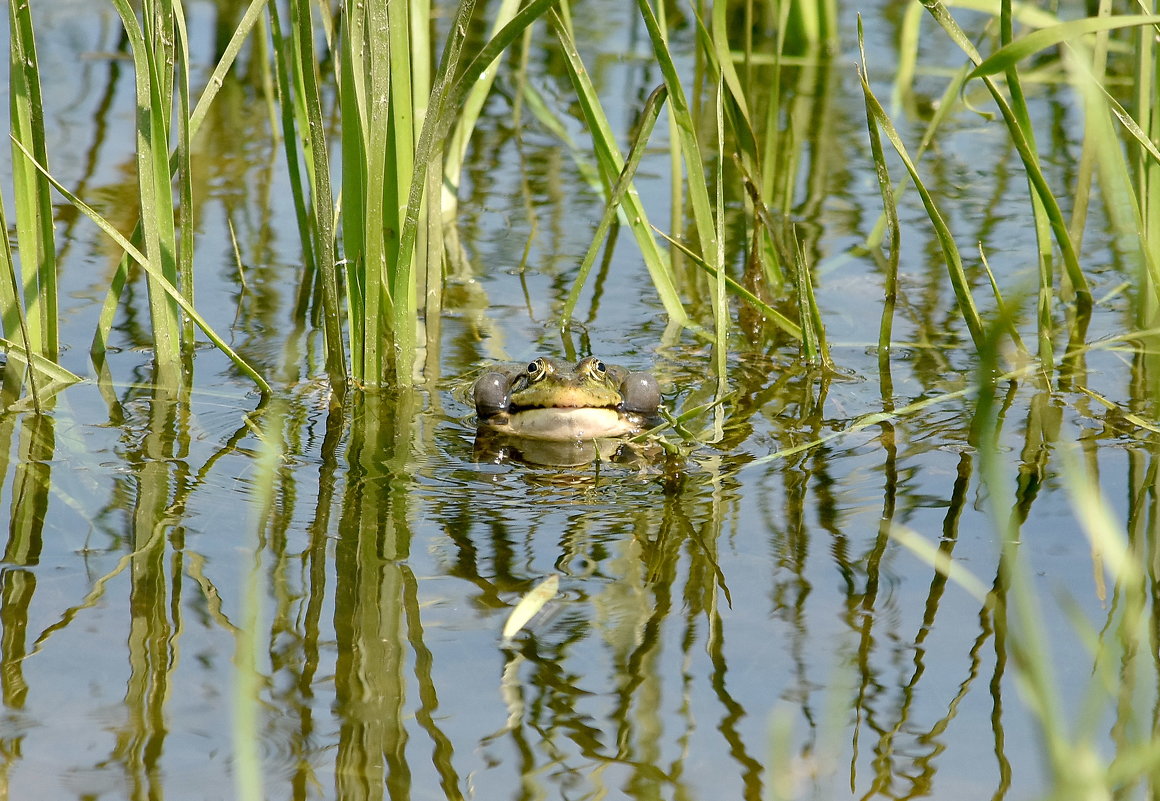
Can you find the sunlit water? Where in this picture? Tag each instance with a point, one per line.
(732, 626)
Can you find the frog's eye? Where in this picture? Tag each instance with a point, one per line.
(599, 368)
(537, 368)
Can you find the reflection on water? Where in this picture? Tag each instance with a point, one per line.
(687, 613)
(729, 625)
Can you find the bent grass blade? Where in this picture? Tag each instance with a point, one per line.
(156, 274)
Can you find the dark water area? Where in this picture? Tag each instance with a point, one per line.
(737, 623)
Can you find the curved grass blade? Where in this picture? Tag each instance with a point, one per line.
(1010, 54)
(686, 130)
(611, 163)
(772, 314)
(156, 274)
(472, 105)
(946, 240)
(890, 209)
(250, 18)
(1020, 138)
(652, 110)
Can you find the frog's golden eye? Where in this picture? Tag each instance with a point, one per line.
(537, 369)
(599, 368)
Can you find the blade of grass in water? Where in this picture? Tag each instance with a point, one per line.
(427, 150)
(406, 169)
(151, 48)
(946, 240)
(696, 179)
(1045, 319)
(155, 273)
(184, 169)
(611, 163)
(34, 223)
(652, 110)
(886, 189)
(1100, 135)
(460, 137)
(776, 317)
(304, 68)
(1019, 137)
(450, 87)
(251, 17)
(14, 315)
(1148, 111)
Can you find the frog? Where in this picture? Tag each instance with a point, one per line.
(554, 400)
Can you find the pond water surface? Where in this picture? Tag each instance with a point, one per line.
(734, 625)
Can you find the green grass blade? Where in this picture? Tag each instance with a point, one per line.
(686, 129)
(1020, 138)
(403, 169)
(652, 110)
(314, 141)
(184, 169)
(250, 18)
(468, 116)
(770, 313)
(611, 163)
(1011, 54)
(34, 220)
(359, 209)
(288, 116)
(154, 181)
(14, 321)
(156, 274)
(427, 150)
(946, 240)
(890, 209)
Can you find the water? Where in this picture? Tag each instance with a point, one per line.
(729, 625)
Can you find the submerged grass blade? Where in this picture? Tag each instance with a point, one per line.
(530, 605)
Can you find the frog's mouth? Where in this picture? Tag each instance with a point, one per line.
(567, 398)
